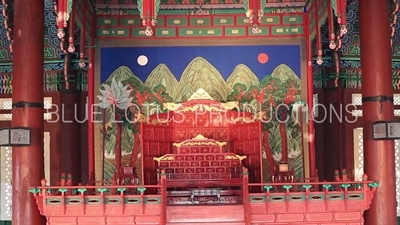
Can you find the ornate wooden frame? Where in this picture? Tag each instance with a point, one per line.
(148, 42)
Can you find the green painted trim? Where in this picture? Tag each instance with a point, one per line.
(311, 197)
(53, 201)
(323, 57)
(268, 10)
(335, 197)
(297, 198)
(352, 58)
(73, 201)
(277, 198)
(354, 196)
(93, 201)
(132, 200)
(45, 62)
(98, 200)
(184, 12)
(316, 197)
(5, 222)
(112, 201)
(257, 199)
(152, 200)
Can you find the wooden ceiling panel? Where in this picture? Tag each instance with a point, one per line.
(209, 3)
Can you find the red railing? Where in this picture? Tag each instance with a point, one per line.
(290, 199)
(259, 200)
(64, 200)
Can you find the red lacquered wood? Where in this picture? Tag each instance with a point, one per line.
(328, 210)
(118, 146)
(201, 162)
(163, 214)
(246, 203)
(310, 102)
(241, 131)
(91, 167)
(205, 214)
(310, 94)
(27, 162)
(376, 62)
(345, 205)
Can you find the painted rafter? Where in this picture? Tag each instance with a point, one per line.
(394, 17)
(8, 14)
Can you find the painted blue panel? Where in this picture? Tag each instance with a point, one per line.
(223, 58)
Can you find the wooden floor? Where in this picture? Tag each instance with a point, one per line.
(205, 215)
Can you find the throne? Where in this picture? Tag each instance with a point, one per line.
(127, 175)
(200, 162)
(282, 173)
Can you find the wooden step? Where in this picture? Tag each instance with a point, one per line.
(205, 214)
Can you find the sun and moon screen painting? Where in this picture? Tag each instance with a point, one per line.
(258, 76)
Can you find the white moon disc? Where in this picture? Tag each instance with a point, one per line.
(142, 60)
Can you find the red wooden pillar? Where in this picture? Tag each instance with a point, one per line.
(376, 68)
(91, 150)
(27, 111)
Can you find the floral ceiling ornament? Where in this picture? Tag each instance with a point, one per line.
(116, 95)
(148, 13)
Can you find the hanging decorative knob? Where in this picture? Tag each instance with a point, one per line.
(250, 14)
(343, 29)
(82, 64)
(148, 31)
(332, 44)
(254, 12)
(153, 22)
(71, 46)
(255, 29)
(148, 14)
(60, 33)
(81, 60)
(319, 57)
